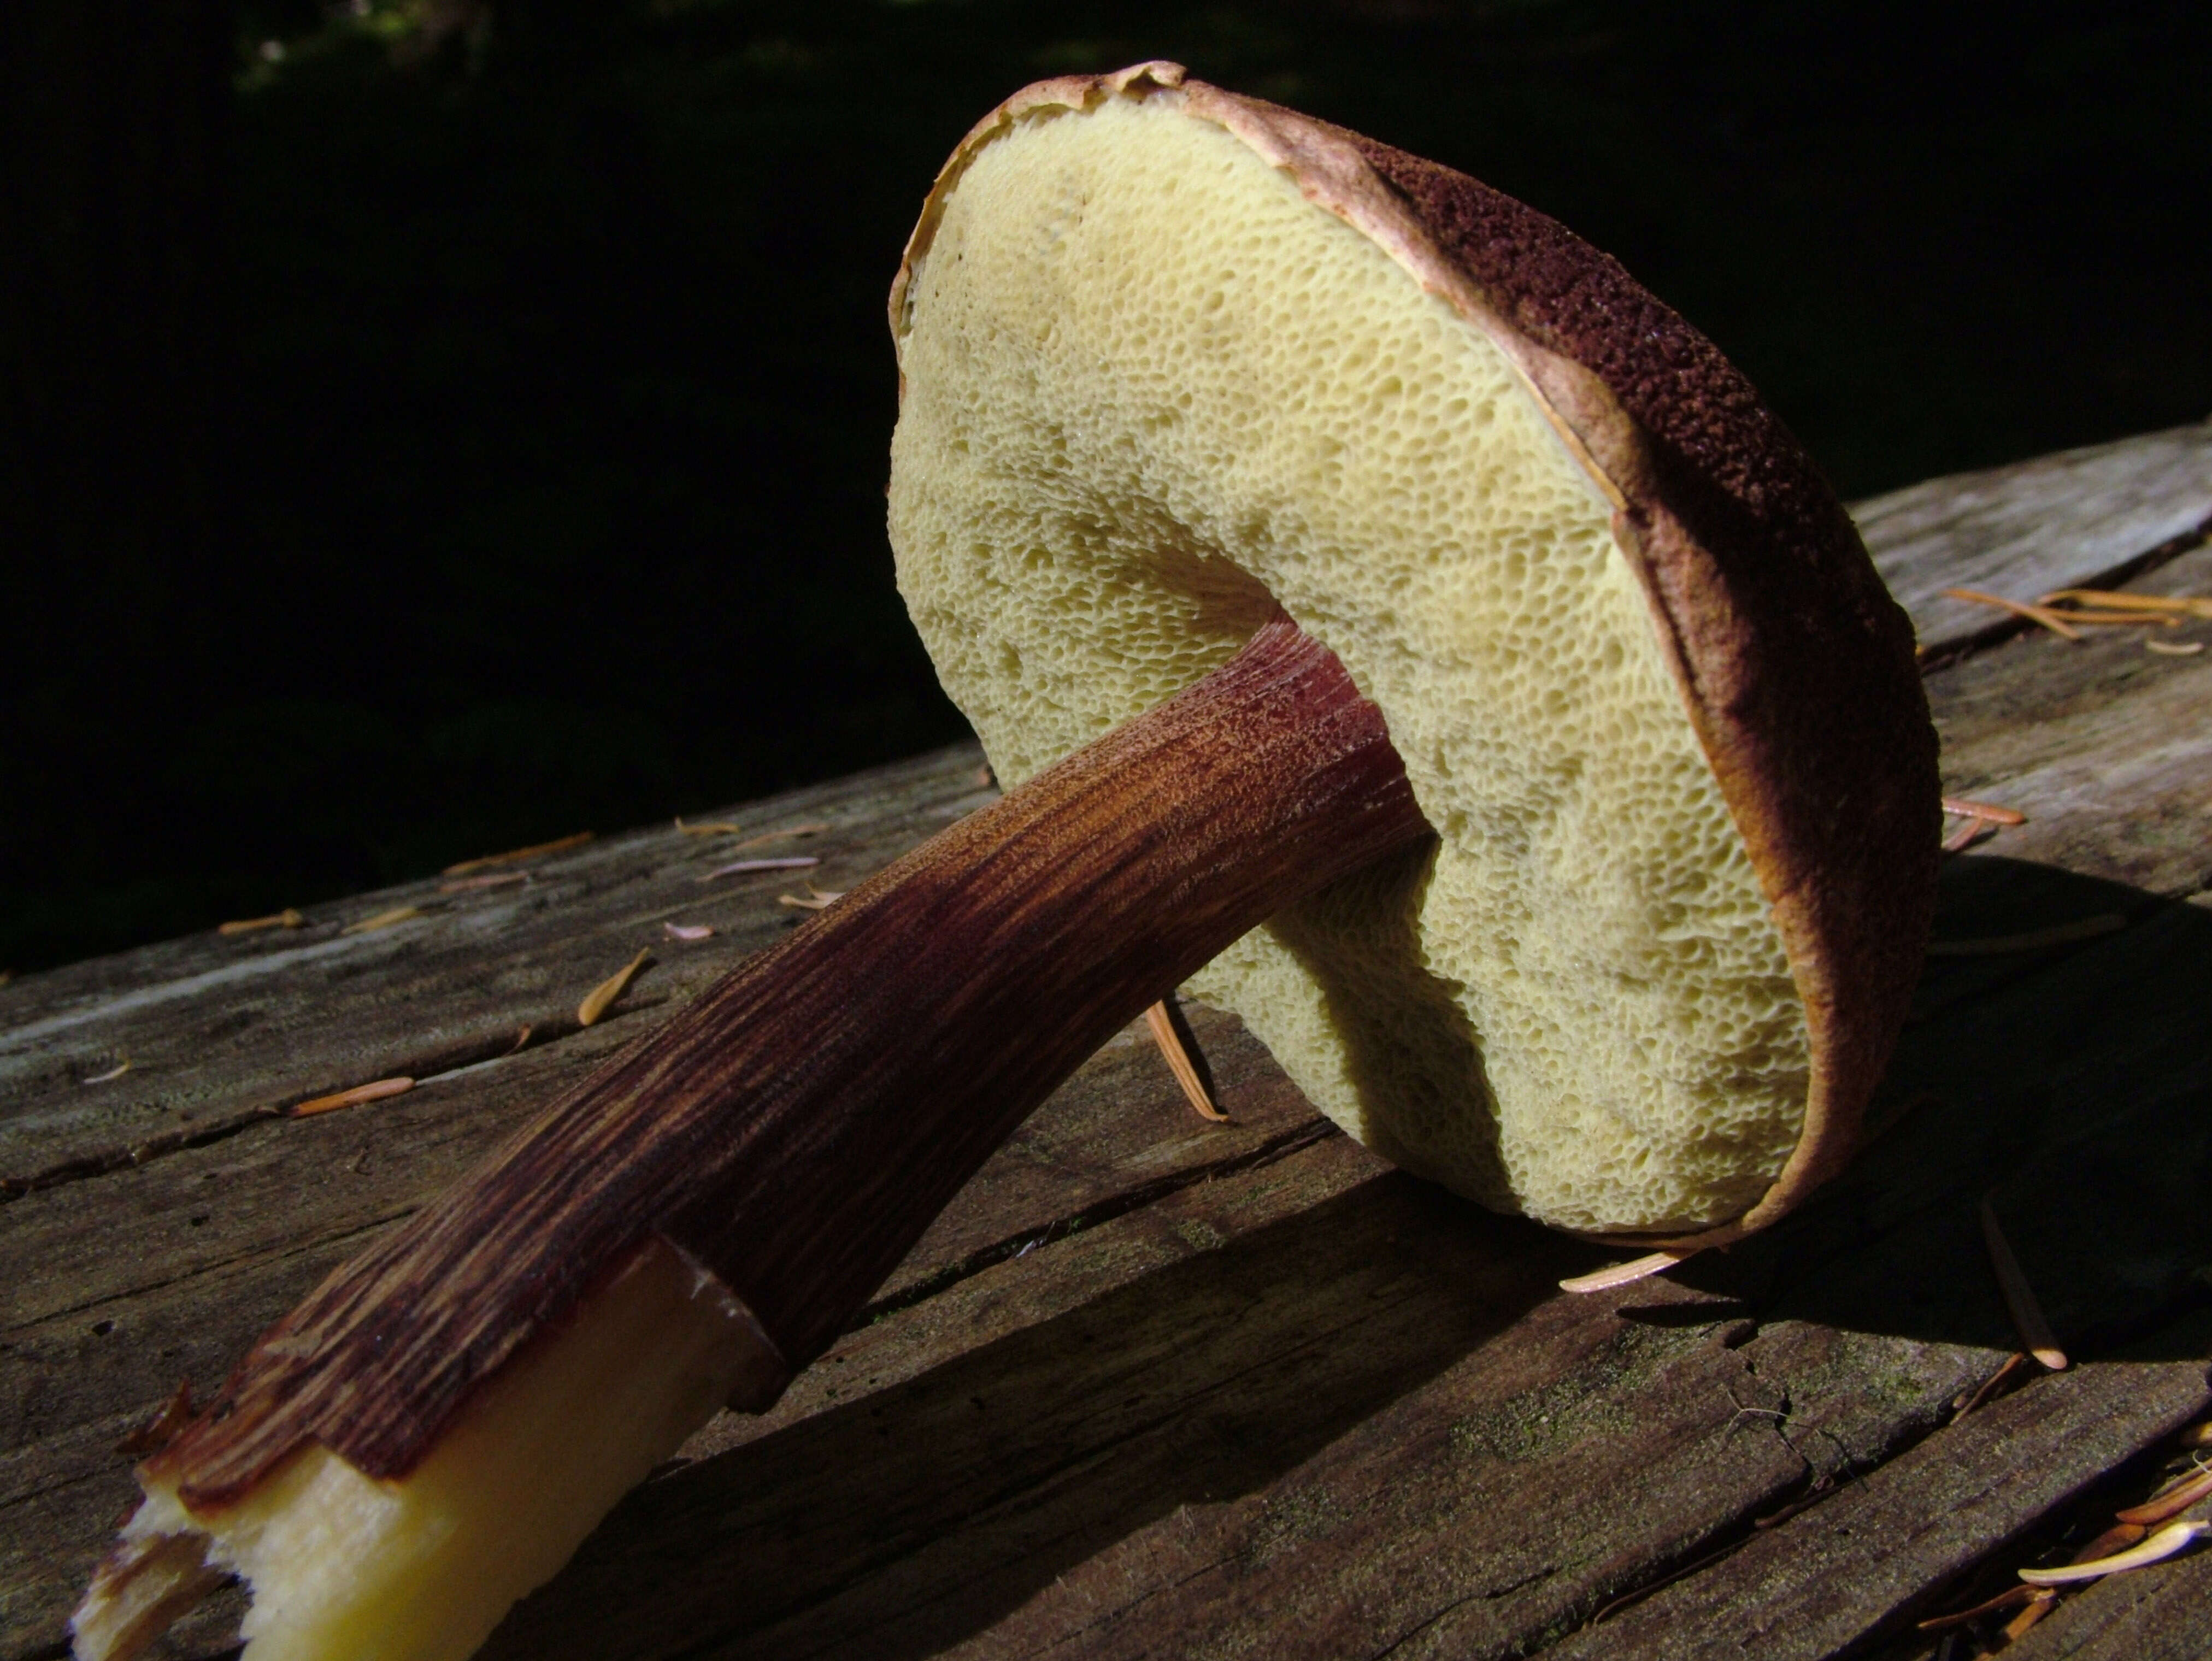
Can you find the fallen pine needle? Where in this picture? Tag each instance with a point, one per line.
(816, 899)
(355, 1097)
(114, 1072)
(558, 844)
(747, 867)
(1968, 833)
(2118, 1537)
(596, 1002)
(1179, 1063)
(813, 828)
(2174, 648)
(2160, 1546)
(2176, 1499)
(2027, 1318)
(2110, 619)
(1623, 1273)
(688, 931)
(491, 879)
(2041, 1604)
(287, 918)
(2059, 934)
(2004, 1600)
(521, 1038)
(728, 828)
(2035, 614)
(383, 919)
(1959, 807)
(2111, 599)
(1988, 1386)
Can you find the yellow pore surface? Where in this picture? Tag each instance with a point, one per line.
(344, 1567)
(1150, 386)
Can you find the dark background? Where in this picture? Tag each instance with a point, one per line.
(441, 426)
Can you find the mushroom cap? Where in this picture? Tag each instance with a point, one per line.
(1171, 359)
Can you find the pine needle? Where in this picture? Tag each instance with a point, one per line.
(353, 1098)
(601, 997)
(287, 918)
(383, 920)
(1179, 1063)
(559, 845)
(1625, 1274)
(2027, 1318)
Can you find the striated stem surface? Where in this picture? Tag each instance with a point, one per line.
(799, 1126)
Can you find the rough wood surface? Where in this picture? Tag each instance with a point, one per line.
(2074, 519)
(1157, 1386)
(2155, 1614)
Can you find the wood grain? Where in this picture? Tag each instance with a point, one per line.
(1343, 1442)
(2155, 1614)
(797, 1128)
(2073, 519)
(1868, 1558)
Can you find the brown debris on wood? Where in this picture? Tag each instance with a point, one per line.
(2034, 614)
(1625, 1274)
(1990, 1387)
(2113, 599)
(2039, 1604)
(2028, 1317)
(289, 918)
(515, 856)
(2176, 1498)
(749, 867)
(384, 919)
(1959, 807)
(1980, 819)
(2009, 1599)
(360, 1092)
(2173, 1538)
(488, 880)
(730, 827)
(601, 997)
(795, 833)
(1162, 1025)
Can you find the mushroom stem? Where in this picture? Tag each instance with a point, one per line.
(759, 1165)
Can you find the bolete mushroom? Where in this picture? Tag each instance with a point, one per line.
(1199, 397)
(1173, 358)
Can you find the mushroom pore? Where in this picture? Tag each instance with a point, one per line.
(1195, 391)
(1172, 359)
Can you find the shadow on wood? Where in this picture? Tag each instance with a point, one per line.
(2072, 1083)
(931, 1510)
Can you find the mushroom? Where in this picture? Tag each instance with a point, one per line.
(1239, 458)
(1172, 358)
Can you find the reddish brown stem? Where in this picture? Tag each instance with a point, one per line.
(799, 1126)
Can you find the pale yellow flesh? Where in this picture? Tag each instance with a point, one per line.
(1151, 392)
(344, 1567)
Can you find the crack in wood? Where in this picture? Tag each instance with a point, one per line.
(441, 1063)
(1029, 1239)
